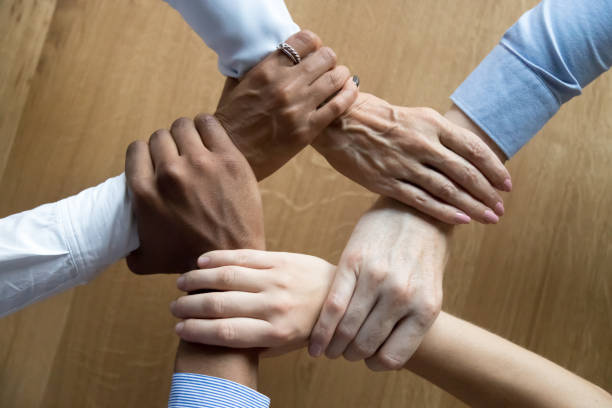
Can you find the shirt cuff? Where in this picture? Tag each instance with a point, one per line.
(99, 226)
(203, 391)
(506, 99)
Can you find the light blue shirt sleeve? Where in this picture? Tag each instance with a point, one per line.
(240, 32)
(545, 59)
(202, 391)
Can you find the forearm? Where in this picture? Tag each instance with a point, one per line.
(60, 245)
(232, 364)
(544, 60)
(240, 32)
(483, 369)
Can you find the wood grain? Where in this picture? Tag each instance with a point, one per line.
(114, 71)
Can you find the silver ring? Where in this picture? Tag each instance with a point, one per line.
(290, 52)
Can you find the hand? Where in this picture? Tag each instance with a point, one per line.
(192, 192)
(387, 290)
(419, 158)
(273, 112)
(271, 299)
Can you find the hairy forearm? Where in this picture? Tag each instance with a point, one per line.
(483, 369)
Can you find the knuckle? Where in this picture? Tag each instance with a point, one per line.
(142, 189)
(281, 335)
(328, 55)
(353, 260)
(345, 332)
(400, 294)
(157, 134)
(362, 349)
(134, 146)
(170, 173)
(309, 38)
(216, 305)
(430, 115)
(199, 162)
(293, 115)
(336, 108)
(280, 308)
(377, 273)
(181, 123)
(205, 121)
(226, 331)
(336, 79)
(227, 277)
(447, 191)
(477, 150)
(389, 361)
(427, 311)
(282, 96)
(263, 76)
(334, 304)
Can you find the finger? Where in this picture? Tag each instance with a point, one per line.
(339, 104)
(333, 309)
(472, 148)
(304, 43)
(374, 331)
(249, 258)
(399, 347)
(213, 135)
(186, 136)
(359, 308)
(223, 278)
(237, 332)
(162, 147)
(447, 191)
(216, 305)
(469, 178)
(419, 199)
(138, 164)
(316, 64)
(328, 84)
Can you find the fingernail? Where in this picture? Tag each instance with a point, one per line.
(314, 350)
(203, 261)
(179, 327)
(172, 304)
(356, 80)
(180, 282)
(462, 218)
(508, 184)
(499, 208)
(490, 217)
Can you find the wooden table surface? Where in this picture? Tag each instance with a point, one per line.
(81, 79)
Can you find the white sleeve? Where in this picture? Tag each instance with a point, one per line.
(60, 245)
(240, 32)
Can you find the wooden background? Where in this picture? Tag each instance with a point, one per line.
(81, 79)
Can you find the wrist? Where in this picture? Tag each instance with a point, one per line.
(237, 365)
(458, 117)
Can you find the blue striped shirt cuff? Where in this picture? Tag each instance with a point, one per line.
(202, 391)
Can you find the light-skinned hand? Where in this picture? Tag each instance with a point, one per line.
(419, 158)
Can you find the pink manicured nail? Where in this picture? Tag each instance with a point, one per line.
(180, 282)
(203, 261)
(499, 208)
(462, 218)
(179, 327)
(508, 184)
(490, 217)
